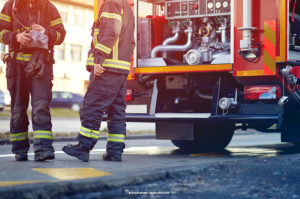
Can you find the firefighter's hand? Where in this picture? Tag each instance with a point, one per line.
(24, 38)
(98, 69)
(38, 27)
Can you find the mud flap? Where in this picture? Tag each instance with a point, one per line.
(175, 131)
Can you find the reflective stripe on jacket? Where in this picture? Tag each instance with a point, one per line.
(113, 37)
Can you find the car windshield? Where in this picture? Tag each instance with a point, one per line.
(65, 95)
(54, 95)
(1, 97)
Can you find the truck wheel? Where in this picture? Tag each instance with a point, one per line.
(263, 127)
(208, 138)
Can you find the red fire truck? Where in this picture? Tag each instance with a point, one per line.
(207, 67)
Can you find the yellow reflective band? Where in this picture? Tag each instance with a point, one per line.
(21, 30)
(90, 60)
(110, 63)
(98, 45)
(116, 64)
(19, 136)
(114, 140)
(57, 37)
(95, 38)
(55, 22)
(43, 134)
(18, 139)
(89, 133)
(5, 17)
(111, 16)
(90, 63)
(89, 130)
(116, 135)
(2, 33)
(116, 50)
(103, 48)
(42, 131)
(23, 57)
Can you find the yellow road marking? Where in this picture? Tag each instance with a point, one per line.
(72, 173)
(11, 183)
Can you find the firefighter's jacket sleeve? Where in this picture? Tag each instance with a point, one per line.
(56, 31)
(7, 35)
(109, 30)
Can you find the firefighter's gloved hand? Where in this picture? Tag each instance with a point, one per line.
(38, 40)
(98, 69)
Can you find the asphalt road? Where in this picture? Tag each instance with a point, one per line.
(148, 158)
(257, 178)
(294, 54)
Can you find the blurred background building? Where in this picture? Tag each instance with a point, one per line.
(70, 57)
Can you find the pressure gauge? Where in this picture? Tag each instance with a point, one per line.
(210, 5)
(225, 4)
(218, 5)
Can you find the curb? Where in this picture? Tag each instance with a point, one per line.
(64, 189)
(71, 139)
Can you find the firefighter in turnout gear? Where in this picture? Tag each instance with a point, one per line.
(31, 28)
(109, 63)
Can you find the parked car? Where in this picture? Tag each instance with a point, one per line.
(7, 98)
(2, 102)
(61, 99)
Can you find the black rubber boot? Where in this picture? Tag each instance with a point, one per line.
(112, 157)
(42, 155)
(78, 151)
(21, 156)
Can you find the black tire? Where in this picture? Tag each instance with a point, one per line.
(208, 138)
(290, 129)
(263, 127)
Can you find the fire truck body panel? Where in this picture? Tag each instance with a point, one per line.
(264, 21)
(207, 67)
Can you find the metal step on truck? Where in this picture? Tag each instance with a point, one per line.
(207, 67)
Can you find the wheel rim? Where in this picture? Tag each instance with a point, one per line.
(75, 107)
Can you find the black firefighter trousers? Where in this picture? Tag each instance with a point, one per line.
(105, 93)
(20, 87)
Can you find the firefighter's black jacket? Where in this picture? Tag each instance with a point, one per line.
(44, 13)
(113, 37)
